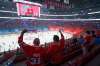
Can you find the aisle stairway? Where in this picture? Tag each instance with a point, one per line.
(95, 61)
(20, 64)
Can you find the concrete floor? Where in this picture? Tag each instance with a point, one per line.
(95, 61)
(20, 64)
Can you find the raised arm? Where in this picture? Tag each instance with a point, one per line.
(62, 40)
(20, 38)
(62, 36)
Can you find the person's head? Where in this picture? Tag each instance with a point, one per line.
(36, 41)
(88, 32)
(56, 38)
(81, 36)
(93, 32)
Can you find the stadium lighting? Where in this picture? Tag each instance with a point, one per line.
(8, 11)
(94, 12)
(69, 19)
(50, 19)
(18, 18)
(27, 2)
(59, 15)
(40, 14)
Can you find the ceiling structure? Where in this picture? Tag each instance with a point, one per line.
(83, 9)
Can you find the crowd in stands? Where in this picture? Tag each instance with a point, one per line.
(59, 50)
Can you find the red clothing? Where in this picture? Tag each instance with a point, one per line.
(55, 51)
(88, 39)
(35, 54)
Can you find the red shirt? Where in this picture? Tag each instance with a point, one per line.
(88, 39)
(55, 51)
(35, 54)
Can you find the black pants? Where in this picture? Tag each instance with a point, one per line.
(50, 64)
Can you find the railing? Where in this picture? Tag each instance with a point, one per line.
(9, 61)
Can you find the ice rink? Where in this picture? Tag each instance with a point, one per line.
(10, 41)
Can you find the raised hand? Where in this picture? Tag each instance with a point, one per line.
(60, 30)
(24, 31)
